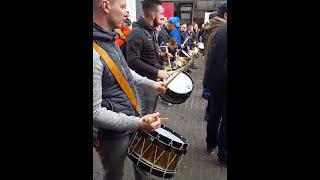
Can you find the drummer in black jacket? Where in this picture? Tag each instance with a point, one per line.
(143, 53)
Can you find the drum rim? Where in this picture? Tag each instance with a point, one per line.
(176, 145)
(163, 96)
(155, 138)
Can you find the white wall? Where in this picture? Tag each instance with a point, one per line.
(131, 7)
(206, 16)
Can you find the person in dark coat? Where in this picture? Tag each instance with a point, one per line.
(217, 80)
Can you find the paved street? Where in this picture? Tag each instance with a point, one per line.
(187, 119)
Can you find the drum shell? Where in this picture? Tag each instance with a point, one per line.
(170, 149)
(174, 97)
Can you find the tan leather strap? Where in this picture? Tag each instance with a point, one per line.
(118, 76)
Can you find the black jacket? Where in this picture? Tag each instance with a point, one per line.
(142, 52)
(164, 36)
(217, 64)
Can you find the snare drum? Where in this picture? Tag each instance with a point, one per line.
(158, 153)
(179, 89)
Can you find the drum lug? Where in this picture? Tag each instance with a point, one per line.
(155, 141)
(168, 148)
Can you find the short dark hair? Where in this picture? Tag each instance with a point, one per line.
(222, 8)
(150, 5)
(184, 22)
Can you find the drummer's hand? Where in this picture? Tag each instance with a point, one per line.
(159, 87)
(146, 126)
(182, 46)
(166, 56)
(163, 74)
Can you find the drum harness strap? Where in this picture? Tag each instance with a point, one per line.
(123, 83)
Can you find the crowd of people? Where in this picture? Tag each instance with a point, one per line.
(129, 71)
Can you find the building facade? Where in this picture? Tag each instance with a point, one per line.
(188, 11)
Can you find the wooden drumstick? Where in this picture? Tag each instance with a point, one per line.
(150, 119)
(187, 38)
(169, 59)
(169, 63)
(171, 78)
(164, 119)
(178, 71)
(171, 72)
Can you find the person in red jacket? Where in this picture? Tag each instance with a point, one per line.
(122, 34)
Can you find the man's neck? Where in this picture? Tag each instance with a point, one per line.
(103, 24)
(149, 20)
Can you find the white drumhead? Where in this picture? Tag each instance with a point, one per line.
(182, 84)
(195, 51)
(200, 45)
(169, 135)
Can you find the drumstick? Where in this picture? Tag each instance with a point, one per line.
(169, 59)
(150, 119)
(164, 119)
(185, 40)
(172, 72)
(171, 78)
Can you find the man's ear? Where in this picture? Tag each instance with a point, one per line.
(106, 6)
(225, 15)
